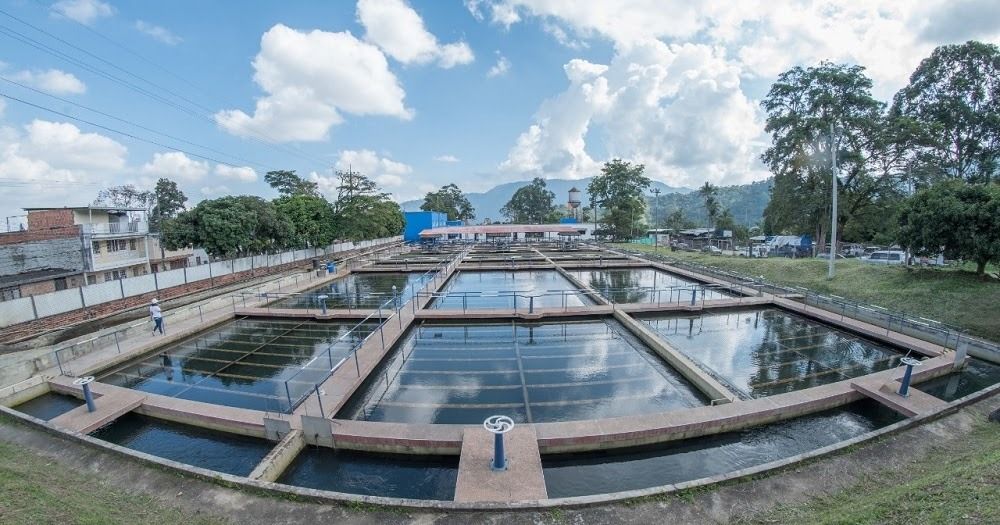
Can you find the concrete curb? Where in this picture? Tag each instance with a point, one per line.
(322, 496)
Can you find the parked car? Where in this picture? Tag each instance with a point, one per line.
(827, 256)
(714, 250)
(886, 257)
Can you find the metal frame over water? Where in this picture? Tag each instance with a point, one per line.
(606, 362)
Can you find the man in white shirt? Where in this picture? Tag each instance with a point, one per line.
(156, 315)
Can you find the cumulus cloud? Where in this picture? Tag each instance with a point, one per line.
(83, 11)
(242, 174)
(175, 165)
(446, 158)
(51, 81)
(396, 27)
(311, 78)
(158, 33)
(52, 163)
(214, 191)
(677, 109)
(500, 68)
(390, 175)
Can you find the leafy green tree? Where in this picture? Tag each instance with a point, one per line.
(531, 204)
(363, 212)
(960, 218)
(168, 201)
(802, 106)
(289, 184)
(677, 221)
(709, 193)
(125, 196)
(620, 190)
(449, 199)
(312, 217)
(954, 99)
(230, 226)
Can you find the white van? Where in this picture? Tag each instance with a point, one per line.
(886, 257)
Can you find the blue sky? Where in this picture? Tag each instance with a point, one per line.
(418, 94)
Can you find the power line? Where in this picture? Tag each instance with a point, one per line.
(270, 141)
(123, 133)
(140, 126)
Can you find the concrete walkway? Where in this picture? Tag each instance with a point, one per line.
(522, 481)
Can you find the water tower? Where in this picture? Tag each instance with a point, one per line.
(574, 200)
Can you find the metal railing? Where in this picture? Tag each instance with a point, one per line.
(935, 332)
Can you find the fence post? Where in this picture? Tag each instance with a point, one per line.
(83, 300)
(156, 282)
(34, 309)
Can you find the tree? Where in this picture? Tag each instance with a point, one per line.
(230, 226)
(312, 217)
(802, 106)
(709, 192)
(289, 184)
(168, 201)
(954, 98)
(530, 204)
(676, 221)
(620, 190)
(959, 218)
(125, 196)
(449, 199)
(362, 212)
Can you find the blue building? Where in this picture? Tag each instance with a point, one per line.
(418, 221)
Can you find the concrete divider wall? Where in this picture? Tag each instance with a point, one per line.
(57, 302)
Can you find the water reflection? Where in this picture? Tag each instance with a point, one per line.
(763, 352)
(532, 372)
(645, 285)
(517, 286)
(357, 290)
(245, 363)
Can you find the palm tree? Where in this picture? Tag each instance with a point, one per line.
(708, 192)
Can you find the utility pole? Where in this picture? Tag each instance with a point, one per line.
(656, 224)
(833, 192)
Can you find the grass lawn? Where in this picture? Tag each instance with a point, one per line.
(958, 483)
(949, 295)
(36, 490)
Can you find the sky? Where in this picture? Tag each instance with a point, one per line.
(418, 94)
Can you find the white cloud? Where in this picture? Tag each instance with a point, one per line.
(83, 11)
(55, 164)
(158, 33)
(175, 165)
(677, 109)
(500, 68)
(310, 78)
(51, 81)
(446, 158)
(396, 27)
(213, 191)
(242, 174)
(3, 106)
(390, 175)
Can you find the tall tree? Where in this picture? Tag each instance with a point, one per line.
(312, 217)
(168, 201)
(620, 190)
(230, 226)
(449, 199)
(125, 196)
(362, 211)
(530, 204)
(289, 184)
(954, 98)
(709, 193)
(959, 218)
(802, 106)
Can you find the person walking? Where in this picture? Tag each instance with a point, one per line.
(156, 315)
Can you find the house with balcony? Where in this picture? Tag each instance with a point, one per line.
(113, 239)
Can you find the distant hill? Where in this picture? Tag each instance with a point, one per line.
(488, 203)
(746, 202)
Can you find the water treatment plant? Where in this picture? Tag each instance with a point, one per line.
(621, 375)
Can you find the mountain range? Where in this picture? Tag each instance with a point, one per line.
(746, 202)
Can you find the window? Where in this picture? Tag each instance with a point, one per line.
(60, 283)
(9, 294)
(97, 246)
(108, 277)
(131, 244)
(117, 245)
(91, 279)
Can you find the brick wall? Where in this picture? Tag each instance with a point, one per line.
(40, 235)
(45, 219)
(30, 255)
(38, 288)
